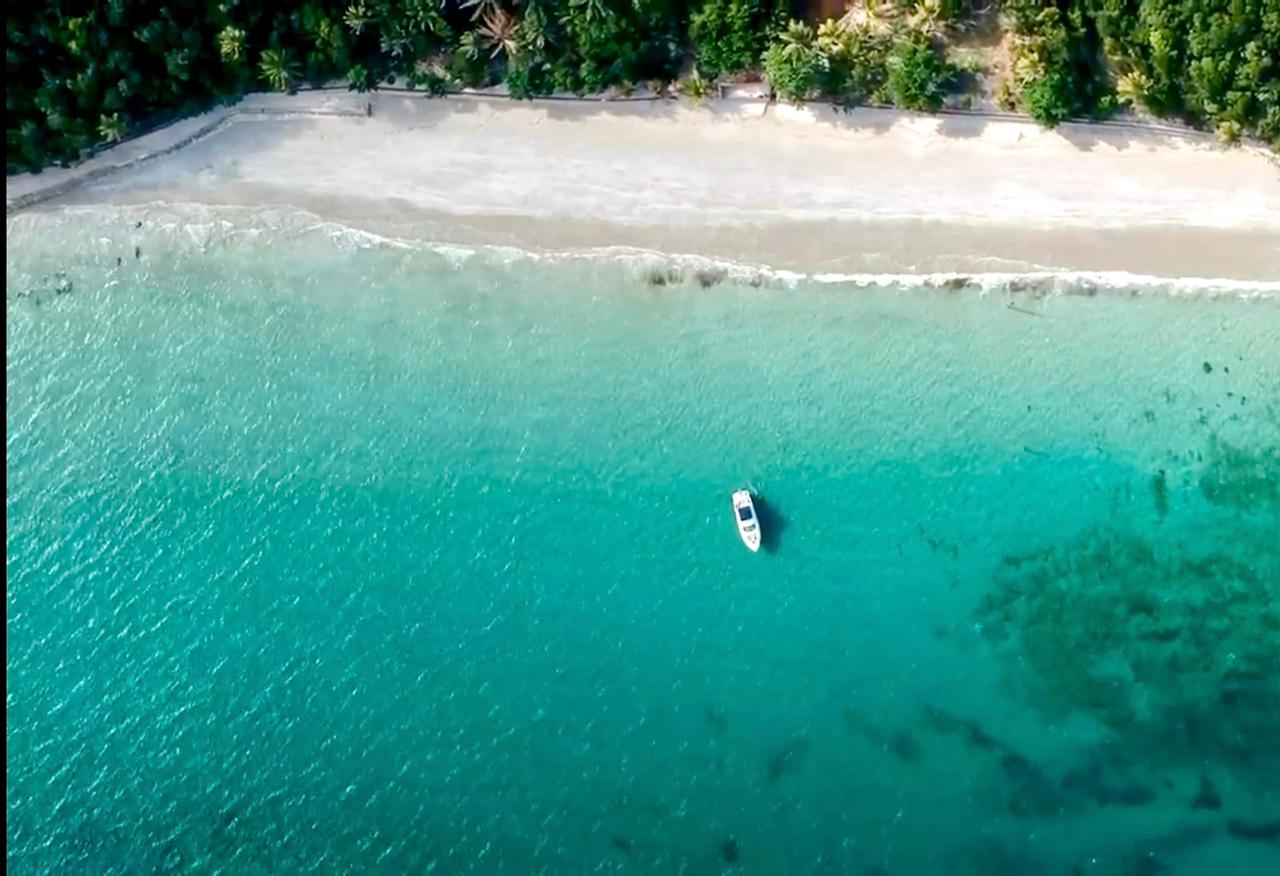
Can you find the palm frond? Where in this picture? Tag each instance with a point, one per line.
(501, 31)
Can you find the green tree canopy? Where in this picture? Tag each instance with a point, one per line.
(83, 74)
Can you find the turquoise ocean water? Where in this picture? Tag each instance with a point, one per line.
(329, 555)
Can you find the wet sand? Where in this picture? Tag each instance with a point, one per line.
(796, 189)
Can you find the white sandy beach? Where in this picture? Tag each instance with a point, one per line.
(870, 191)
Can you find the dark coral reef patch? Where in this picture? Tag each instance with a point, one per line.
(1172, 641)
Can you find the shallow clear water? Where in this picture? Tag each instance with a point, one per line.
(327, 555)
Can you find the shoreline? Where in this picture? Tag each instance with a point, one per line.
(187, 230)
(863, 192)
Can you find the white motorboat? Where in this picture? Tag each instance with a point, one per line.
(744, 514)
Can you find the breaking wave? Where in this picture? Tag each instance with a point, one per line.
(184, 229)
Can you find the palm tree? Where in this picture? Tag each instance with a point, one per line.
(31, 138)
(926, 17)
(178, 63)
(469, 45)
(327, 37)
(396, 42)
(1132, 87)
(111, 128)
(535, 24)
(876, 16)
(501, 31)
(231, 44)
(482, 8)
(278, 68)
(797, 38)
(424, 16)
(592, 10)
(115, 13)
(833, 37)
(356, 17)
(1028, 66)
(359, 78)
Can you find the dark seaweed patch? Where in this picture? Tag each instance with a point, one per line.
(967, 729)
(786, 759)
(708, 277)
(1160, 493)
(1237, 478)
(1100, 783)
(904, 746)
(1035, 287)
(1170, 639)
(1207, 797)
(901, 743)
(938, 545)
(1175, 651)
(670, 276)
(1255, 831)
(1031, 792)
(716, 720)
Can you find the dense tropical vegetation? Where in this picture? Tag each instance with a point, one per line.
(83, 73)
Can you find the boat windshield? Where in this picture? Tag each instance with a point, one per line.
(744, 513)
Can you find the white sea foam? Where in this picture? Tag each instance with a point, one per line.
(200, 226)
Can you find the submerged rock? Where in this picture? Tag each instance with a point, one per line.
(786, 759)
(1032, 792)
(1255, 831)
(969, 730)
(669, 276)
(902, 744)
(1100, 784)
(1143, 864)
(1207, 797)
(708, 277)
(1035, 287)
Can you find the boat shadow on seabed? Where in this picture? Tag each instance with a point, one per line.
(772, 523)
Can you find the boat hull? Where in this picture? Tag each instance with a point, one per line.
(744, 515)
